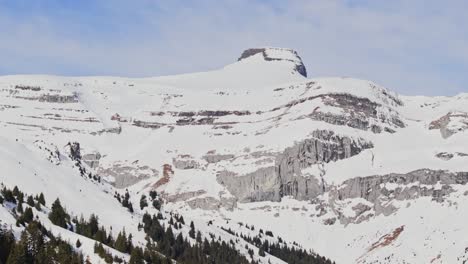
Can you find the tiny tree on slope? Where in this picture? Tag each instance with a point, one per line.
(58, 215)
(192, 230)
(143, 202)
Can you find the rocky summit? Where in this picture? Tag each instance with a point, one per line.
(258, 158)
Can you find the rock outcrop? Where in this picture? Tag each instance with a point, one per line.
(450, 123)
(122, 175)
(185, 162)
(92, 159)
(424, 182)
(286, 178)
(381, 190)
(277, 54)
(361, 113)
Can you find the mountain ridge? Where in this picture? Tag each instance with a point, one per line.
(349, 161)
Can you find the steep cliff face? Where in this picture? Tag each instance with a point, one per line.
(424, 182)
(285, 178)
(378, 195)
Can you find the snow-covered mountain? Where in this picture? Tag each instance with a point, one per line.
(343, 167)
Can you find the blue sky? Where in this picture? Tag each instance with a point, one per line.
(410, 46)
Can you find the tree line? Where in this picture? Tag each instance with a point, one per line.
(37, 245)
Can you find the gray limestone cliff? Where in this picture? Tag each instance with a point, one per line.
(285, 178)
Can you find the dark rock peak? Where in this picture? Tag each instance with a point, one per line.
(277, 54)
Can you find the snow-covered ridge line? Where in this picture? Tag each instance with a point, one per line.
(337, 164)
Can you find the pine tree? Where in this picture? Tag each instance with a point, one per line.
(20, 253)
(58, 216)
(153, 194)
(78, 243)
(251, 252)
(8, 195)
(16, 191)
(160, 216)
(20, 197)
(157, 204)
(126, 199)
(136, 257)
(143, 202)
(192, 230)
(129, 243)
(38, 206)
(27, 216)
(121, 242)
(19, 207)
(7, 242)
(35, 238)
(41, 199)
(30, 201)
(93, 225)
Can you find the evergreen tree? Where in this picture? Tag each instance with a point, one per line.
(143, 202)
(26, 217)
(261, 252)
(41, 199)
(7, 242)
(16, 191)
(20, 197)
(136, 257)
(153, 194)
(121, 242)
(36, 244)
(35, 239)
(192, 230)
(58, 216)
(129, 243)
(157, 204)
(126, 199)
(19, 207)
(38, 206)
(160, 216)
(19, 254)
(251, 252)
(30, 201)
(78, 243)
(92, 226)
(8, 195)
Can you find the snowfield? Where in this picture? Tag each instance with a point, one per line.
(240, 145)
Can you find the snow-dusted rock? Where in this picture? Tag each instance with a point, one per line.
(320, 161)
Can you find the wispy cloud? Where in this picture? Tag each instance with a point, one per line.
(414, 47)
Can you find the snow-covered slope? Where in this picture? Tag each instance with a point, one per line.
(342, 166)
